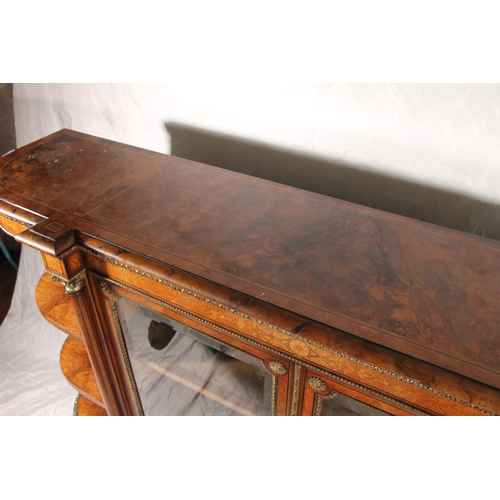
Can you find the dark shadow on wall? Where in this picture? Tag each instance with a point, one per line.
(7, 127)
(354, 183)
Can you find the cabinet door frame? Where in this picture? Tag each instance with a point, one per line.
(319, 387)
(280, 368)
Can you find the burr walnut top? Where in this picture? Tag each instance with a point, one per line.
(423, 290)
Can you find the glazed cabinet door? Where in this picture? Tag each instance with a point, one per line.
(181, 365)
(325, 396)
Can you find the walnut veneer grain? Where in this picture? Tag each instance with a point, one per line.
(56, 306)
(86, 408)
(76, 367)
(405, 309)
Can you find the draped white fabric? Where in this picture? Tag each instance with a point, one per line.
(31, 381)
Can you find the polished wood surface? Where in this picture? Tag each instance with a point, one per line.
(405, 309)
(85, 408)
(76, 367)
(426, 292)
(104, 350)
(56, 306)
(386, 371)
(417, 288)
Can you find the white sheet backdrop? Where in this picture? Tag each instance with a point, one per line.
(441, 138)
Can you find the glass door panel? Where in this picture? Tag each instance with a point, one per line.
(180, 371)
(336, 404)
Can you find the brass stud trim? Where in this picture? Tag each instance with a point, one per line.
(121, 341)
(370, 366)
(73, 285)
(17, 221)
(318, 402)
(296, 385)
(75, 405)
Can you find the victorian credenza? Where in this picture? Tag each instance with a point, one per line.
(188, 289)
